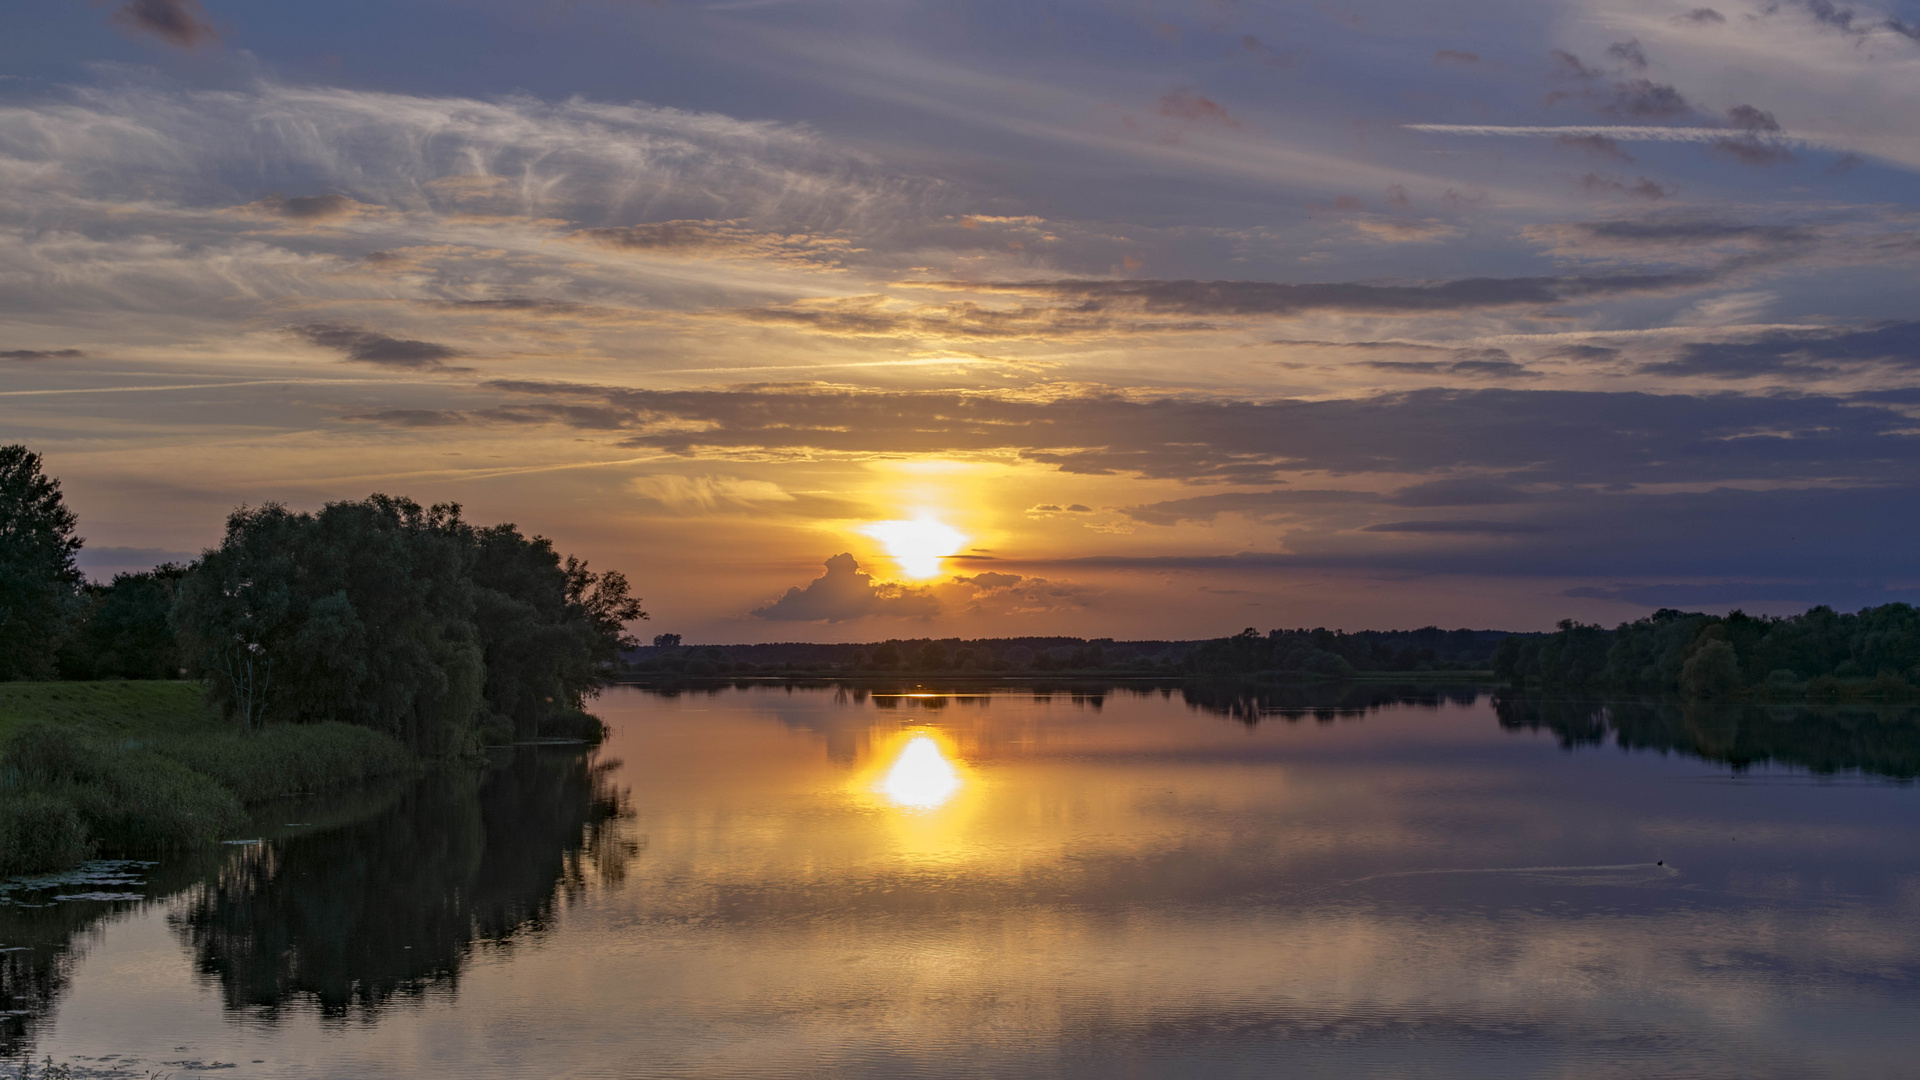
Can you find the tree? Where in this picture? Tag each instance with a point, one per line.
(39, 580)
(405, 619)
(360, 613)
(666, 641)
(123, 631)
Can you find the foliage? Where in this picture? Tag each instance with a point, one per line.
(551, 630)
(39, 579)
(1279, 655)
(404, 619)
(1874, 651)
(122, 630)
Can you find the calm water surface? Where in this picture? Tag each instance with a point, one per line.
(812, 882)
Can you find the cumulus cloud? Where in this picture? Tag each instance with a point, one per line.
(368, 347)
(846, 592)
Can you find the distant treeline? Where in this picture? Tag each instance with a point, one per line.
(1279, 654)
(382, 613)
(1822, 653)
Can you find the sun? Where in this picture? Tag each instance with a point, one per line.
(917, 545)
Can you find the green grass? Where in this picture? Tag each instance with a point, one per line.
(146, 767)
(109, 708)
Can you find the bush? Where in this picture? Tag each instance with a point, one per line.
(573, 724)
(40, 833)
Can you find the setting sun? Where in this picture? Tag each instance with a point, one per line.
(917, 545)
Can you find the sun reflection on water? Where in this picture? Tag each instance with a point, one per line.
(921, 777)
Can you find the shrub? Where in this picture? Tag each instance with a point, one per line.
(573, 724)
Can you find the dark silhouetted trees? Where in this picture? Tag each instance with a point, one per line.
(1819, 653)
(39, 580)
(122, 630)
(401, 618)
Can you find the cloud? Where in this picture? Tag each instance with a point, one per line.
(367, 347)
(1701, 16)
(314, 208)
(1798, 352)
(1189, 106)
(1753, 152)
(41, 354)
(1594, 146)
(1641, 188)
(1862, 539)
(1643, 99)
(176, 22)
(1397, 231)
(1462, 492)
(1258, 505)
(1459, 526)
(1845, 596)
(1483, 363)
(1221, 298)
(104, 561)
(1630, 53)
(1748, 118)
(1560, 436)
(844, 592)
(719, 239)
(1456, 56)
(709, 492)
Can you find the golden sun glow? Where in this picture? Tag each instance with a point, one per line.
(921, 777)
(917, 545)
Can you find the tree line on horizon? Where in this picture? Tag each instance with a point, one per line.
(1294, 654)
(379, 612)
(1819, 653)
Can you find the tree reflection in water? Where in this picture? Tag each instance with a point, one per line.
(391, 907)
(1879, 740)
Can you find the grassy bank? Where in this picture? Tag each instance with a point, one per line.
(127, 768)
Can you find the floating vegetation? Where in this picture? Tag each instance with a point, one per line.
(103, 875)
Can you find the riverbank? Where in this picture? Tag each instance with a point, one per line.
(90, 769)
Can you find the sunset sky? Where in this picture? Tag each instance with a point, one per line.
(1112, 319)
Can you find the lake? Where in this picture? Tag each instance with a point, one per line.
(1088, 882)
